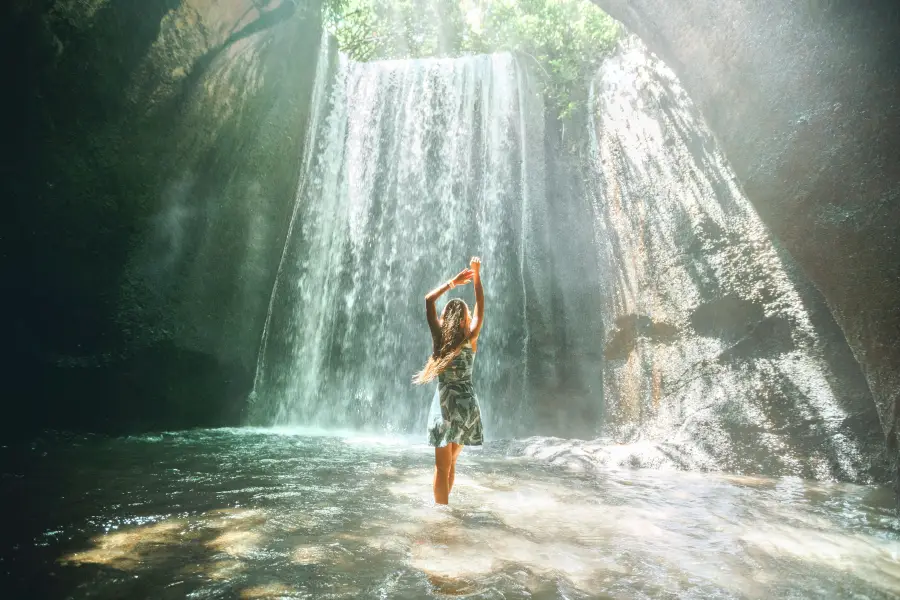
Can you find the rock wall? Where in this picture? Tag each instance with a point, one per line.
(802, 97)
(714, 357)
(153, 161)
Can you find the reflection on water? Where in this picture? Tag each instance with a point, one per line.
(250, 514)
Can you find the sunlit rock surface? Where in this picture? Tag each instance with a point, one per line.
(252, 514)
(712, 356)
(802, 97)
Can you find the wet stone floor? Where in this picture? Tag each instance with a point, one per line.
(261, 514)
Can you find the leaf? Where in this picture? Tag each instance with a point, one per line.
(567, 38)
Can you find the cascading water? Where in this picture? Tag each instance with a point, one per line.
(688, 335)
(319, 92)
(420, 164)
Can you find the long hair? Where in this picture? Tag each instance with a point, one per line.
(453, 336)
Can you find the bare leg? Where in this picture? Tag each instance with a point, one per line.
(443, 460)
(456, 450)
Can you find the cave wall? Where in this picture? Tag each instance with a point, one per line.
(151, 167)
(803, 99)
(716, 356)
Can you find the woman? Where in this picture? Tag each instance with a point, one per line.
(455, 418)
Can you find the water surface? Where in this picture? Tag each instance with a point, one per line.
(263, 514)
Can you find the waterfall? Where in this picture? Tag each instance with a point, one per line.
(645, 301)
(711, 351)
(419, 164)
(317, 106)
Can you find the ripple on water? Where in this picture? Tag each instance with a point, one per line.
(319, 517)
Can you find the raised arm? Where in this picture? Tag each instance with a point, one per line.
(464, 276)
(478, 318)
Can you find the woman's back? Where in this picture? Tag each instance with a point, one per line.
(460, 370)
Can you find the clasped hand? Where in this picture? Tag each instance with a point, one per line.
(467, 275)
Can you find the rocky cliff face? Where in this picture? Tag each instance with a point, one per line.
(154, 159)
(802, 98)
(717, 354)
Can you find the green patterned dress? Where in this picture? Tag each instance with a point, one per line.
(455, 415)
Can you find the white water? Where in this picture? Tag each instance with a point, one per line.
(420, 164)
(320, 86)
(413, 166)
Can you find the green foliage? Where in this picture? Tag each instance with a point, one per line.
(381, 29)
(566, 38)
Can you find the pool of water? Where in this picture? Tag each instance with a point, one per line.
(263, 514)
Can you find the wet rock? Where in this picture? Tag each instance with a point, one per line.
(802, 97)
(728, 318)
(149, 172)
(771, 337)
(630, 328)
(719, 357)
